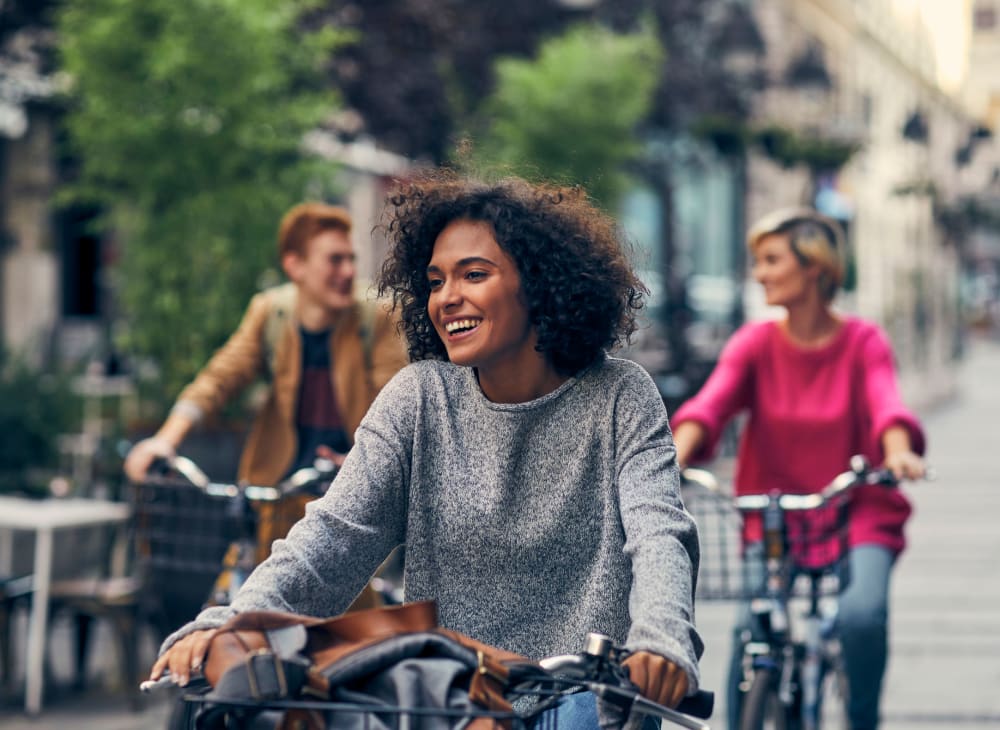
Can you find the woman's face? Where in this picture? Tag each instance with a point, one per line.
(475, 302)
(785, 279)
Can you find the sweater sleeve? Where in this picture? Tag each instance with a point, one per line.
(727, 391)
(882, 391)
(233, 366)
(661, 538)
(329, 555)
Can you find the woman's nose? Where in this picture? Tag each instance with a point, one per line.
(450, 293)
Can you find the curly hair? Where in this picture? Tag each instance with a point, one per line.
(581, 292)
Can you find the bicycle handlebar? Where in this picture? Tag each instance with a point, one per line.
(597, 670)
(860, 474)
(323, 470)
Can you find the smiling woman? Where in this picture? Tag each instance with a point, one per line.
(477, 311)
(531, 475)
(577, 282)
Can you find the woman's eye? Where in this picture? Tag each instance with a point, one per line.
(435, 283)
(476, 275)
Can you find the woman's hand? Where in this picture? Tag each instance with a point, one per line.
(184, 657)
(657, 678)
(905, 465)
(899, 456)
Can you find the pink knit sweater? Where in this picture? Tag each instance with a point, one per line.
(809, 411)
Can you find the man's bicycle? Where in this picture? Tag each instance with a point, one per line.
(197, 540)
(792, 671)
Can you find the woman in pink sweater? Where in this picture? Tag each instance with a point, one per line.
(818, 387)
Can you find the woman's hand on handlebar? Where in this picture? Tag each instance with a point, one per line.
(183, 657)
(905, 465)
(141, 456)
(657, 678)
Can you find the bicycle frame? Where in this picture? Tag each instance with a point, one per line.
(799, 659)
(787, 658)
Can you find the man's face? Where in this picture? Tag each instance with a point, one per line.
(325, 274)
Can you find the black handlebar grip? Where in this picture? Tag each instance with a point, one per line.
(159, 468)
(698, 705)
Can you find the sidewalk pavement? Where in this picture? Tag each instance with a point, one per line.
(944, 670)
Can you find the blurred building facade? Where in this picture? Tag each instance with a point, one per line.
(982, 95)
(866, 74)
(30, 271)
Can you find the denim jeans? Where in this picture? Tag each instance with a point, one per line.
(862, 625)
(578, 712)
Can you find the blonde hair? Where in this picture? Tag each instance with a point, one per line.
(814, 239)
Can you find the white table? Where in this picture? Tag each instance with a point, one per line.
(44, 517)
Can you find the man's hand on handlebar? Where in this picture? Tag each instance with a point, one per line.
(141, 456)
(185, 656)
(325, 452)
(657, 678)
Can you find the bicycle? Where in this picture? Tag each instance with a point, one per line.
(596, 669)
(792, 671)
(197, 540)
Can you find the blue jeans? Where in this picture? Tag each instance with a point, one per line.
(578, 712)
(863, 628)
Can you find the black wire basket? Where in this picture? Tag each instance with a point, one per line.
(186, 538)
(721, 572)
(815, 542)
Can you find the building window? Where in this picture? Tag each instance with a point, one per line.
(985, 16)
(81, 263)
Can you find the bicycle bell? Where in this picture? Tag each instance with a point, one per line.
(598, 645)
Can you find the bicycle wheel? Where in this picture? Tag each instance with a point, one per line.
(833, 715)
(762, 708)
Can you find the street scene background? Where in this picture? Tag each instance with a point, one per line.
(147, 151)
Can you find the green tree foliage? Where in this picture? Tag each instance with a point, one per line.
(34, 409)
(187, 118)
(571, 113)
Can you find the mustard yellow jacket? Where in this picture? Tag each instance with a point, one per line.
(272, 442)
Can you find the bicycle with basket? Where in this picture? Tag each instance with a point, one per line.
(792, 670)
(197, 540)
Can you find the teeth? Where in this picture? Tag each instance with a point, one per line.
(461, 324)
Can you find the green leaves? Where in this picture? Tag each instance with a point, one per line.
(187, 118)
(570, 114)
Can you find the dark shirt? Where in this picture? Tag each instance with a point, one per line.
(317, 420)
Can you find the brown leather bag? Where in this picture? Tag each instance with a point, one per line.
(267, 655)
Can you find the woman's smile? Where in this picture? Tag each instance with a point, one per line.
(478, 311)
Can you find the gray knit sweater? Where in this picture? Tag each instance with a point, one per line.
(529, 523)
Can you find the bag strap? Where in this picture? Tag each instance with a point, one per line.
(493, 671)
(367, 309)
(282, 299)
(252, 631)
(271, 654)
